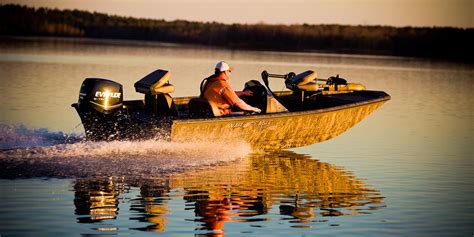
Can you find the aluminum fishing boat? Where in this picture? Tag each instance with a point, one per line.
(312, 110)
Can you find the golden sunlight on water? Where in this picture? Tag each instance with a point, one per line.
(302, 190)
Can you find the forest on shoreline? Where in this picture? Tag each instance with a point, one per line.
(430, 42)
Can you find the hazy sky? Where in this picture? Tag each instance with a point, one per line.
(458, 13)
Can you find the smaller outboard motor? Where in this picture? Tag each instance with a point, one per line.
(104, 96)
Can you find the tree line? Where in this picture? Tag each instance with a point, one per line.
(432, 42)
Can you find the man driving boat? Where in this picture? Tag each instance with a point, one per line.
(217, 90)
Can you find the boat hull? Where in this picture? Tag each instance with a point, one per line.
(317, 118)
(276, 131)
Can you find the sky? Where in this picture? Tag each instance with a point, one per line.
(455, 13)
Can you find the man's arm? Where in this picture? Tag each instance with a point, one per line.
(233, 99)
(244, 93)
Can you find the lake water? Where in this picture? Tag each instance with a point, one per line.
(406, 170)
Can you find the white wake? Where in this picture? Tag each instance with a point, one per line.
(48, 154)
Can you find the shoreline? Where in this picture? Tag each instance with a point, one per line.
(445, 43)
(147, 43)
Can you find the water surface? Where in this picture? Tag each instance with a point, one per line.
(405, 170)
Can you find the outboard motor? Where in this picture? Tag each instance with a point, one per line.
(101, 110)
(102, 95)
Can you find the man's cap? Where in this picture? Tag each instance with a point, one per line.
(223, 66)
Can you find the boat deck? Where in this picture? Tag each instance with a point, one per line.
(293, 101)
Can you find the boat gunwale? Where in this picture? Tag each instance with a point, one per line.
(281, 114)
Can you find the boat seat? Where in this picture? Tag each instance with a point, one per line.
(157, 90)
(154, 83)
(202, 108)
(310, 86)
(304, 81)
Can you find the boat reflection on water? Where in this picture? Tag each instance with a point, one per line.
(293, 186)
(97, 199)
(152, 205)
(276, 186)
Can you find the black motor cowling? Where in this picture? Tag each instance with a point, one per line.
(102, 95)
(100, 108)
